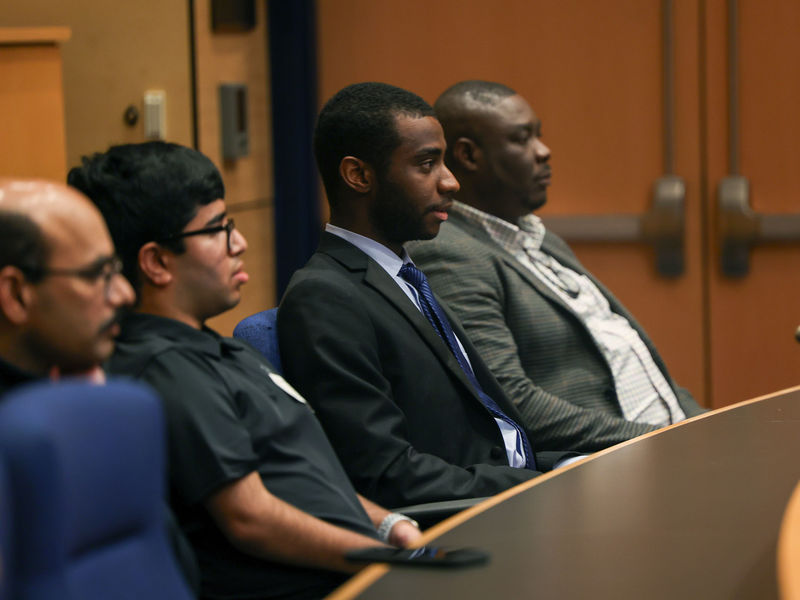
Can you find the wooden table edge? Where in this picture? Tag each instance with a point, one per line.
(788, 562)
(361, 581)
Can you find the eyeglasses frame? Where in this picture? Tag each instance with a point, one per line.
(106, 269)
(228, 228)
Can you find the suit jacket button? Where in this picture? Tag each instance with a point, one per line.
(498, 452)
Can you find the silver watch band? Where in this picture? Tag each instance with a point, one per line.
(389, 521)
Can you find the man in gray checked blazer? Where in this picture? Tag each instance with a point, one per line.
(579, 368)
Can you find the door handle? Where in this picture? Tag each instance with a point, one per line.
(662, 226)
(740, 228)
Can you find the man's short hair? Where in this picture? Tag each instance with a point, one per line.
(360, 121)
(456, 105)
(147, 192)
(483, 92)
(23, 245)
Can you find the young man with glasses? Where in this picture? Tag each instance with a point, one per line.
(60, 286)
(253, 479)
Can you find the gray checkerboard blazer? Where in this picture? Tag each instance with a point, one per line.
(540, 352)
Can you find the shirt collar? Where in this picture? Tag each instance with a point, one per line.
(11, 375)
(529, 234)
(387, 259)
(142, 326)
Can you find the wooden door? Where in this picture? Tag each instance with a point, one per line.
(753, 318)
(32, 102)
(593, 72)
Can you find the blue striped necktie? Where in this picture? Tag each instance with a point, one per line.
(435, 315)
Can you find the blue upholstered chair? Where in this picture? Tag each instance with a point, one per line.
(260, 331)
(6, 522)
(85, 465)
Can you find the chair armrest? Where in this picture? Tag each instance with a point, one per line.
(431, 513)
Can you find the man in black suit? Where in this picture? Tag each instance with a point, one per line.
(406, 401)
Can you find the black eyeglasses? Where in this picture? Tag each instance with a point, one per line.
(228, 228)
(105, 269)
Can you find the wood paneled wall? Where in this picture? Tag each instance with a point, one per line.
(592, 71)
(118, 51)
(240, 58)
(32, 102)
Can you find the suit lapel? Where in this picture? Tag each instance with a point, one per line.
(482, 373)
(375, 277)
(571, 261)
(479, 233)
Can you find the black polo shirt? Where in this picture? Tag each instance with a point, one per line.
(226, 418)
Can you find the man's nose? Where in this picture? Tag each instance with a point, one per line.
(448, 184)
(120, 292)
(238, 242)
(542, 151)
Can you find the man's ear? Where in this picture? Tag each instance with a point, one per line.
(16, 295)
(357, 174)
(466, 153)
(154, 263)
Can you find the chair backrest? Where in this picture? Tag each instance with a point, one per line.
(87, 475)
(260, 331)
(6, 522)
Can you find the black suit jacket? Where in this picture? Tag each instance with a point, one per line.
(402, 416)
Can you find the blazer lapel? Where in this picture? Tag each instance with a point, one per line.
(482, 373)
(571, 261)
(376, 277)
(509, 259)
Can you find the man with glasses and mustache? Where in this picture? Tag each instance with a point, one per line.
(60, 285)
(254, 482)
(61, 296)
(581, 371)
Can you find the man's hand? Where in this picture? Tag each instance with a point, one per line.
(403, 534)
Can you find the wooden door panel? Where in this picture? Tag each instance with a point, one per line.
(753, 319)
(118, 51)
(32, 109)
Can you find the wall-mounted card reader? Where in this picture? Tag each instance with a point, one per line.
(155, 115)
(233, 120)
